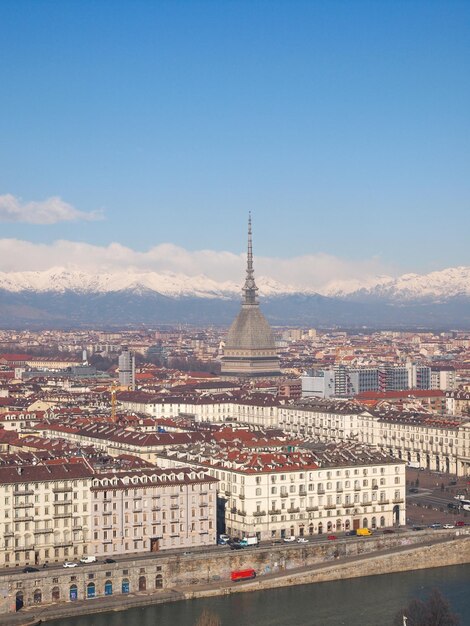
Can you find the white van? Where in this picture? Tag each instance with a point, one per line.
(88, 559)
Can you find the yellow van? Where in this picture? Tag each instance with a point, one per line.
(363, 532)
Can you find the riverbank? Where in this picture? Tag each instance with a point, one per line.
(398, 559)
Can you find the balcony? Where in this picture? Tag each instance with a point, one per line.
(312, 508)
(233, 510)
(62, 515)
(242, 496)
(62, 502)
(275, 512)
(328, 507)
(294, 510)
(259, 513)
(398, 500)
(173, 507)
(320, 491)
(242, 513)
(24, 492)
(23, 518)
(284, 495)
(42, 531)
(23, 505)
(383, 502)
(375, 487)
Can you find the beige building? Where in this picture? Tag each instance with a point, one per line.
(44, 513)
(151, 510)
(306, 492)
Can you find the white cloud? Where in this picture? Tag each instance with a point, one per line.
(319, 272)
(49, 211)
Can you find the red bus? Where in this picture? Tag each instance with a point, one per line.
(243, 574)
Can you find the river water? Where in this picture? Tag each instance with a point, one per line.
(371, 601)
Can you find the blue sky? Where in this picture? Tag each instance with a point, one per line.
(343, 126)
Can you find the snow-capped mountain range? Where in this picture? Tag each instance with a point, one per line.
(436, 286)
(61, 280)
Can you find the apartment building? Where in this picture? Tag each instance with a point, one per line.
(151, 510)
(303, 492)
(436, 442)
(44, 513)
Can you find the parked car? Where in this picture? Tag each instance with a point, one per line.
(109, 561)
(88, 559)
(388, 531)
(70, 564)
(289, 539)
(351, 533)
(418, 528)
(236, 546)
(459, 524)
(302, 540)
(30, 570)
(436, 525)
(447, 526)
(223, 540)
(332, 537)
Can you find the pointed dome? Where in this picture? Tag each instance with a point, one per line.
(250, 331)
(250, 349)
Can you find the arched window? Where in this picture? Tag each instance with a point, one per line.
(19, 600)
(142, 583)
(125, 585)
(364, 523)
(338, 524)
(329, 526)
(108, 588)
(55, 594)
(73, 594)
(373, 522)
(382, 521)
(37, 596)
(90, 590)
(320, 528)
(347, 524)
(158, 581)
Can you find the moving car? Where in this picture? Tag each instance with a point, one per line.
(363, 532)
(244, 574)
(332, 537)
(289, 539)
(302, 540)
(109, 561)
(30, 570)
(70, 564)
(88, 559)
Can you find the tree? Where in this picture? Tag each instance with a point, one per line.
(434, 611)
(208, 618)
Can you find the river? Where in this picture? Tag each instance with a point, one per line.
(371, 601)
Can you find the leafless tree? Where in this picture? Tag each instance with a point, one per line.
(434, 611)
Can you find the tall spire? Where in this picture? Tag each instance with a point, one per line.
(250, 289)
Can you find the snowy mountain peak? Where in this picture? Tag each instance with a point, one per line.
(60, 280)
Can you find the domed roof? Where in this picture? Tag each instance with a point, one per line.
(250, 331)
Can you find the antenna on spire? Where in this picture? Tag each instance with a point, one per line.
(250, 289)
